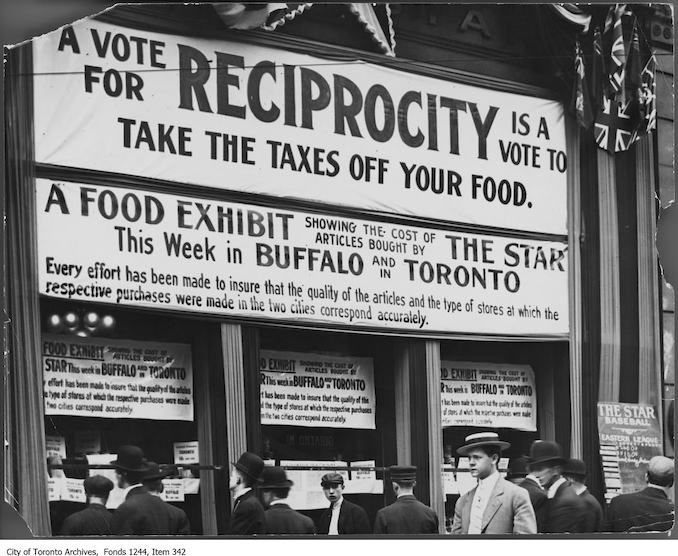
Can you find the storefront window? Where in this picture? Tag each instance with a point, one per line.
(333, 397)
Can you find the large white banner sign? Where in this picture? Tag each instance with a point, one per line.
(106, 377)
(258, 119)
(137, 248)
(314, 390)
(488, 395)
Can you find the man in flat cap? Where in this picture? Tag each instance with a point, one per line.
(649, 509)
(280, 519)
(141, 513)
(247, 517)
(95, 519)
(564, 511)
(342, 517)
(495, 506)
(407, 515)
(575, 472)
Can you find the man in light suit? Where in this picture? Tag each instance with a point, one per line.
(342, 517)
(495, 506)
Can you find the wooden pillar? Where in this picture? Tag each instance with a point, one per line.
(234, 386)
(610, 333)
(403, 413)
(435, 432)
(575, 292)
(649, 347)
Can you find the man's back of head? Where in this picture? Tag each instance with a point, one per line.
(660, 471)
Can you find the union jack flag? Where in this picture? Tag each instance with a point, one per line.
(647, 98)
(614, 126)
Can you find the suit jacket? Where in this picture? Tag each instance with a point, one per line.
(538, 499)
(406, 516)
(95, 519)
(646, 510)
(283, 520)
(565, 511)
(508, 511)
(143, 513)
(353, 520)
(247, 517)
(593, 517)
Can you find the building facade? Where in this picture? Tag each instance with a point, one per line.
(340, 236)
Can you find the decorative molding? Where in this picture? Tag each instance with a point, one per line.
(574, 218)
(435, 433)
(649, 329)
(610, 330)
(234, 386)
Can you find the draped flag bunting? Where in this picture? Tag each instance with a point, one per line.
(581, 105)
(616, 92)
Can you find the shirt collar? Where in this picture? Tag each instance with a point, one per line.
(125, 491)
(579, 488)
(243, 492)
(279, 501)
(489, 481)
(338, 504)
(551, 492)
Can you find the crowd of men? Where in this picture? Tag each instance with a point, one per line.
(541, 493)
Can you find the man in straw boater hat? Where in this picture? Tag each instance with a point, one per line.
(342, 517)
(407, 515)
(575, 472)
(495, 506)
(247, 517)
(279, 517)
(141, 513)
(564, 510)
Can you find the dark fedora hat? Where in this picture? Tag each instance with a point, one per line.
(574, 466)
(517, 467)
(274, 477)
(130, 458)
(331, 479)
(402, 473)
(250, 464)
(156, 472)
(545, 452)
(482, 439)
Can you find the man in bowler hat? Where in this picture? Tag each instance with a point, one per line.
(407, 515)
(342, 517)
(152, 480)
(537, 495)
(495, 506)
(279, 518)
(649, 509)
(564, 510)
(95, 519)
(247, 517)
(575, 472)
(141, 513)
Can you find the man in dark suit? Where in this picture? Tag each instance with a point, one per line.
(342, 517)
(518, 473)
(95, 519)
(247, 517)
(141, 513)
(564, 509)
(280, 519)
(406, 515)
(575, 472)
(649, 509)
(152, 480)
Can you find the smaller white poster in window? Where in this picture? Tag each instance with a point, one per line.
(186, 453)
(488, 395)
